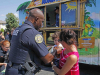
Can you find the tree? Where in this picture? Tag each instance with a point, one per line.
(90, 3)
(12, 21)
(2, 30)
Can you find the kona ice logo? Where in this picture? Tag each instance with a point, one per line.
(47, 1)
(86, 38)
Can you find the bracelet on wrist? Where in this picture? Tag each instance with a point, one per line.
(53, 66)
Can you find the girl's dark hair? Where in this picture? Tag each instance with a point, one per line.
(69, 36)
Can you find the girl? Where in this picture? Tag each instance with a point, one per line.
(69, 57)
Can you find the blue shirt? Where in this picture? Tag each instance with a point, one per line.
(57, 20)
(28, 37)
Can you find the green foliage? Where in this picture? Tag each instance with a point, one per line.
(84, 25)
(2, 30)
(23, 6)
(26, 10)
(90, 2)
(89, 25)
(87, 13)
(89, 30)
(95, 34)
(90, 51)
(12, 21)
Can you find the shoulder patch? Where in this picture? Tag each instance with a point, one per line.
(15, 32)
(39, 38)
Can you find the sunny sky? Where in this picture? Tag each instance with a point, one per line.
(9, 6)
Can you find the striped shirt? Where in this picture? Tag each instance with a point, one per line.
(75, 69)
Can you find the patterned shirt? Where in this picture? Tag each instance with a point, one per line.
(75, 69)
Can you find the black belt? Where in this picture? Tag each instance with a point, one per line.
(29, 70)
(15, 65)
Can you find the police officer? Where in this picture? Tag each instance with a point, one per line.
(4, 51)
(28, 46)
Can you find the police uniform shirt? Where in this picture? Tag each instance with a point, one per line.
(33, 39)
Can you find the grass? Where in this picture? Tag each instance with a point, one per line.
(89, 51)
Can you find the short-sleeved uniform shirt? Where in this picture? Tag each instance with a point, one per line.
(57, 20)
(34, 40)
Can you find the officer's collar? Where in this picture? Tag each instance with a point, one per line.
(29, 23)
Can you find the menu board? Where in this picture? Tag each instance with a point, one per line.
(87, 42)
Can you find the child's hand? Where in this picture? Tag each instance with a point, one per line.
(59, 50)
(55, 48)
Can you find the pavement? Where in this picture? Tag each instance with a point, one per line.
(45, 71)
(83, 71)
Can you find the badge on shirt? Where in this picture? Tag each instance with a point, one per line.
(38, 38)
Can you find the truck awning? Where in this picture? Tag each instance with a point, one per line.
(39, 3)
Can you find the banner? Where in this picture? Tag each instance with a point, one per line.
(37, 3)
(87, 42)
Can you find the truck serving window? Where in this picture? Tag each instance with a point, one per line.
(68, 14)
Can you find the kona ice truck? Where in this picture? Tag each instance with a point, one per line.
(82, 16)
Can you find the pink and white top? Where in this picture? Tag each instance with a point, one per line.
(75, 69)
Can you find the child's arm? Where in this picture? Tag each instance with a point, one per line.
(5, 64)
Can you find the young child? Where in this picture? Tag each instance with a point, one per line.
(55, 38)
(69, 57)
